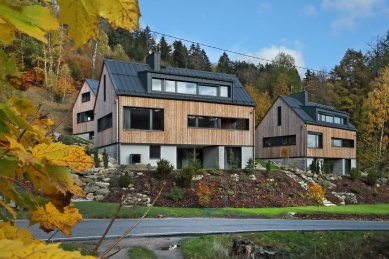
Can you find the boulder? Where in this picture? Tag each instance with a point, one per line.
(99, 197)
(91, 189)
(102, 184)
(103, 191)
(78, 182)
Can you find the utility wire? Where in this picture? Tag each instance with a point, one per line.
(230, 51)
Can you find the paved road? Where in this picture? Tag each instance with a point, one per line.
(94, 228)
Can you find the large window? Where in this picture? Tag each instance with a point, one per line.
(85, 97)
(155, 152)
(104, 122)
(181, 87)
(337, 142)
(217, 122)
(143, 118)
(279, 141)
(85, 116)
(315, 140)
(331, 119)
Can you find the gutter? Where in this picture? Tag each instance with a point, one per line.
(118, 123)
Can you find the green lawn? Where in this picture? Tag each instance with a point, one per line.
(263, 163)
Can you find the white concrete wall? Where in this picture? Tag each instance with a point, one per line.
(167, 152)
(247, 153)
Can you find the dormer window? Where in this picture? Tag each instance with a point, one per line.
(331, 119)
(192, 88)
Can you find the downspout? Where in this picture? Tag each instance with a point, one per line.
(118, 123)
(253, 112)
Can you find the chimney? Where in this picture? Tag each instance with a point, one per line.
(154, 61)
(301, 96)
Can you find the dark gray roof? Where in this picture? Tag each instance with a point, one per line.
(93, 84)
(298, 108)
(126, 79)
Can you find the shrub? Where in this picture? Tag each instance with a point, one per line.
(105, 158)
(315, 166)
(316, 193)
(195, 162)
(216, 168)
(233, 162)
(175, 194)
(285, 154)
(125, 180)
(250, 166)
(96, 158)
(164, 168)
(268, 169)
(186, 176)
(280, 178)
(355, 174)
(66, 140)
(356, 190)
(375, 192)
(204, 194)
(292, 195)
(372, 177)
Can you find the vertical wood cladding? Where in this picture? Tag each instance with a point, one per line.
(103, 108)
(80, 106)
(329, 151)
(176, 129)
(291, 124)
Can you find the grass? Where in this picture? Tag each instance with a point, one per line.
(85, 248)
(319, 244)
(263, 163)
(99, 210)
(141, 252)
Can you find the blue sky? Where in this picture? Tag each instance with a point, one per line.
(316, 33)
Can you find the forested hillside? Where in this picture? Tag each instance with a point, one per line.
(357, 85)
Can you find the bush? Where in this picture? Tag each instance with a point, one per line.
(204, 194)
(233, 162)
(125, 180)
(216, 168)
(315, 193)
(250, 166)
(355, 174)
(285, 155)
(195, 162)
(268, 169)
(375, 192)
(356, 190)
(175, 194)
(105, 158)
(372, 177)
(96, 157)
(164, 168)
(186, 176)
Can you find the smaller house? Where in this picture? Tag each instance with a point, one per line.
(310, 131)
(83, 110)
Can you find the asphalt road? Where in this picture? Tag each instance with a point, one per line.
(94, 228)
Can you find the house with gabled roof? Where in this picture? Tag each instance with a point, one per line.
(310, 131)
(83, 113)
(146, 112)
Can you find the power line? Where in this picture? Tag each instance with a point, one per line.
(230, 51)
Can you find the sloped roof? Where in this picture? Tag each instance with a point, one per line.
(126, 80)
(298, 108)
(93, 84)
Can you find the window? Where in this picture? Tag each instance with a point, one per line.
(331, 119)
(337, 142)
(85, 97)
(279, 141)
(105, 88)
(143, 118)
(315, 140)
(171, 86)
(217, 123)
(155, 152)
(279, 115)
(91, 135)
(85, 116)
(156, 85)
(104, 122)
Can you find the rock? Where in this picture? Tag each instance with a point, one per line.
(252, 177)
(86, 180)
(140, 166)
(99, 197)
(242, 248)
(139, 174)
(106, 179)
(102, 184)
(197, 177)
(309, 174)
(90, 197)
(103, 191)
(78, 182)
(112, 160)
(75, 176)
(90, 189)
(264, 252)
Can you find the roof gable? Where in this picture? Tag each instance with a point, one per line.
(93, 84)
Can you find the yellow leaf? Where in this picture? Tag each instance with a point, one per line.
(50, 217)
(58, 154)
(25, 235)
(8, 230)
(24, 106)
(82, 16)
(17, 249)
(10, 210)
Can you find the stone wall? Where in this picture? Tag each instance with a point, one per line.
(212, 155)
(338, 166)
(300, 162)
(112, 150)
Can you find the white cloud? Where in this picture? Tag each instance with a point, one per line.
(351, 11)
(309, 10)
(269, 53)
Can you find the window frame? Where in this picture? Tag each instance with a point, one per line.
(219, 122)
(82, 115)
(85, 97)
(151, 118)
(159, 152)
(279, 141)
(104, 122)
(319, 141)
(279, 116)
(342, 141)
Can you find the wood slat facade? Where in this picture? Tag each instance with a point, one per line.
(176, 129)
(80, 106)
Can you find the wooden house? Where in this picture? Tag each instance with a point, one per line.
(146, 112)
(310, 131)
(83, 114)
